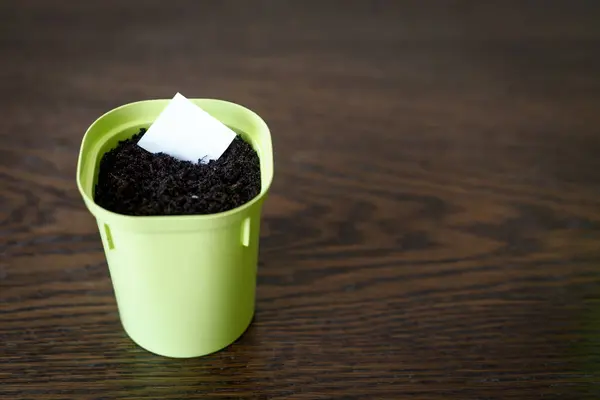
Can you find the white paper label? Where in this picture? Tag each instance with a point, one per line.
(185, 131)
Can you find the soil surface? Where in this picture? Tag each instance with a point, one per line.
(133, 181)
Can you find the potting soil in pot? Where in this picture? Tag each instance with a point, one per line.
(132, 181)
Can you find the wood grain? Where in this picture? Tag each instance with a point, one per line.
(433, 230)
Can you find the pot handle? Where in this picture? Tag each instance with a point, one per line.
(246, 225)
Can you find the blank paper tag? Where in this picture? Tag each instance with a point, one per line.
(185, 131)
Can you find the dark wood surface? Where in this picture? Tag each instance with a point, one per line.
(434, 226)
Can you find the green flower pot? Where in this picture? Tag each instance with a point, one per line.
(184, 285)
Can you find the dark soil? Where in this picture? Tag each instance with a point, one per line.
(133, 181)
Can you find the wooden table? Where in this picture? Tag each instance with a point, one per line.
(434, 226)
